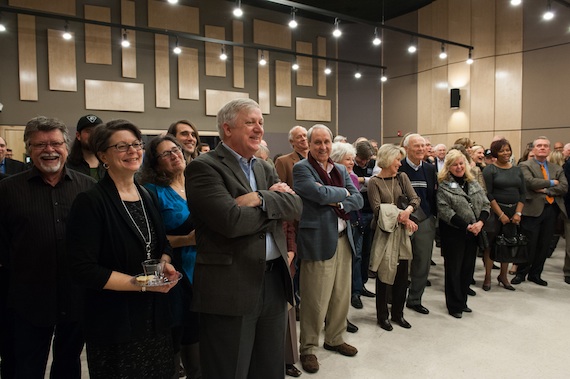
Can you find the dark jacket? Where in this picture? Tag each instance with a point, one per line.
(13, 166)
(101, 238)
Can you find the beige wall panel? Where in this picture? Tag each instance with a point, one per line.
(97, 37)
(114, 96)
(459, 29)
(321, 65)
(61, 62)
(214, 65)
(162, 70)
(313, 109)
(425, 26)
(508, 92)
(509, 32)
(425, 124)
(215, 100)
(28, 67)
(263, 86)
(282, 84)
(180, 17)
(305, 71)
(59, 6)
(439, 99)
(188, 74)
(238, 55)
(271, 34)
(129, 56)
(14, 137)
(459, 76)
(483, 95)
(439, 29)
(483, 28)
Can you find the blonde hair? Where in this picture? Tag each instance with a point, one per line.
(387, 153)
(450, 159)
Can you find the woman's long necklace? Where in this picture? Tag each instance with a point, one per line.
(387, 189)
(147, 243)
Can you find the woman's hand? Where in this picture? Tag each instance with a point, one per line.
(504, 219)
(171, 274)
(475, 228)
(404, 215)
(411, 226)
(516, 219)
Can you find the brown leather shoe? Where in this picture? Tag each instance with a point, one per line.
(343, 348)
(310, 363)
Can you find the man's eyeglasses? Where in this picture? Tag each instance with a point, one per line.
(44, 145)
(168, 153)
(123, 147)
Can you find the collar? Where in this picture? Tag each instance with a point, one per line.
(413, 165)
(239, 158)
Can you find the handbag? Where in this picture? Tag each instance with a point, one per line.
(402, 202)
(483, 240)
(512, 249)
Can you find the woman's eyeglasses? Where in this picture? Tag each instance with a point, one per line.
(123, 147)
(168, 153)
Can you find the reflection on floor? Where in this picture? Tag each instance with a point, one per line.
(520, 334)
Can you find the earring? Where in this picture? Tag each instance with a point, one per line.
(105, 166)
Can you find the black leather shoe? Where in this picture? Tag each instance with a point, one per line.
(467, 309)
(418, 308)
(470, 292)
(537, 280)
(367, 293)
(432, 263)
(402, 322)
(350, 327)
(518, 279)
(428, 283)
(456, 314)
(356, 302)
(385, 324)
(567, 279)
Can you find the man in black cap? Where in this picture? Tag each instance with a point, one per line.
(81, 158)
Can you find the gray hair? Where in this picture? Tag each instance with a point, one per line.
(540, 137)
(340, 150)
(409, 137)
(318, 126)
(292, 130)
(44, 124)
(387, 153)
(230, 111)
(339, 138)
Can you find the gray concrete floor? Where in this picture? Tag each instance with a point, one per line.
(520, 334)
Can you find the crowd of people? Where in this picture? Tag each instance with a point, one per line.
(244, 246)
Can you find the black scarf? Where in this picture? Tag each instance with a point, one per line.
(335, 179)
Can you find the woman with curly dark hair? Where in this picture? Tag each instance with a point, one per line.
(163, 174)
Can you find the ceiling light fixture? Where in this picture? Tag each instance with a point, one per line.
(125, 41)
(223, 55)
(177, 50)
(548, 15)
(293, 23)
(442, 54)
(173, 1)
(469, 58)
(412, 48)
(328, 71)
(383, 78)
(295, 66)
(237, 10)
(336, 33)
(262, 61)
(357, 74)
(66, 34)
(376, 41)
(516, 2)
(2, 26)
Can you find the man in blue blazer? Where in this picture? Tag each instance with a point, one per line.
(325, 245)
(241, 280)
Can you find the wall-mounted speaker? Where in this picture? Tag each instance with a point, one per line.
(455, 97)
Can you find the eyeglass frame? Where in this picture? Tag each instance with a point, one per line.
(127, 146)
(43, 145)
(168, 153)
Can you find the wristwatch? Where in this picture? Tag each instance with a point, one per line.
(260, 196)
(519, 213)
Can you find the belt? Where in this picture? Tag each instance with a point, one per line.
(342, 234)
(272, 264)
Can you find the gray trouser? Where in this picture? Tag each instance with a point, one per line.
(422, 247)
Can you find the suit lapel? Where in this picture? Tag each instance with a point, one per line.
(260, 178)
(231, 162)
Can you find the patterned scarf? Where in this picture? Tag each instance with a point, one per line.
(335, 179)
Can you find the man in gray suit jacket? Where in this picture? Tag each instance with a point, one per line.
(325, 245)
(241, 280)
(546, 185)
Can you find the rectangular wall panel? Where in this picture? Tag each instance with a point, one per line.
(188, 74)
(313, 109)
(305, 71)
(61, 62)
(162, 71)
(508, 92)
(238, 55)
(282, 84)
(263, 83)
(483, 95)
(27, 60)
(179, 17)
(214, 65)
(129, 56)
(97, 37)
(114, 96)
(321, 65)
(60, 6)
(215, 100)
(271, 34)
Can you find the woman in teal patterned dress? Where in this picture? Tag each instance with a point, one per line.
(163, 174)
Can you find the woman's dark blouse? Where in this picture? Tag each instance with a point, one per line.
(506, 186)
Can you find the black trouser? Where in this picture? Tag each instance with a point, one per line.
(539, 231)
(7, 366)
(398, 293)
